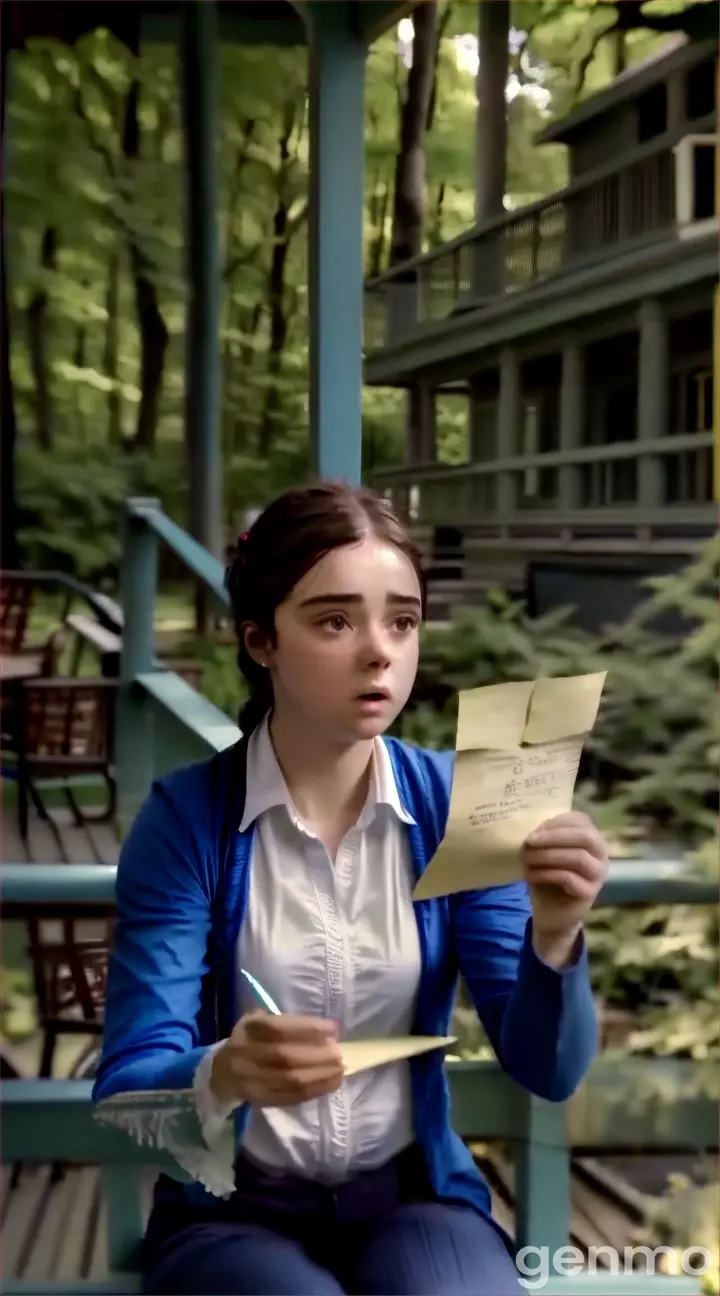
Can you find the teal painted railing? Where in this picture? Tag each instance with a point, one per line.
(634, 1103)
(630, 883)
(162, 723)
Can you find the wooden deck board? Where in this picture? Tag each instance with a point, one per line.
(71, 1258)
(98, 1253)
(26, 1205)
(92, 843)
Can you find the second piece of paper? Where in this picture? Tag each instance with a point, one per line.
(518, 753)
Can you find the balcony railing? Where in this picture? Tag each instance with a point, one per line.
(526, 491)
(608, 211)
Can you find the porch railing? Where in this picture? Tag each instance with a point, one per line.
(161, 720)
(518, 491)
(613, 209)
(636, 1104)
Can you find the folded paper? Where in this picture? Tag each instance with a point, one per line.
(362, 1055)
(518, 752)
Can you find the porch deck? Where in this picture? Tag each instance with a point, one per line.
(54, 1223)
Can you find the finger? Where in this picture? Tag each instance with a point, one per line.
(289, 1027)
(295, 1057)
(565, 847)
(570, 818)
(578, 863)
(571, 884)
(583, 836)
(281, 1089)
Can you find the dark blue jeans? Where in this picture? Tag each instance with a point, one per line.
(383, 1233)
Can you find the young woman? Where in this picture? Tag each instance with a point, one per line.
(293, 857)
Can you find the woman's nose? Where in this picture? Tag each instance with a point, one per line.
(376, 648)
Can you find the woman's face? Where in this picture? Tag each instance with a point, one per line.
(346, 642)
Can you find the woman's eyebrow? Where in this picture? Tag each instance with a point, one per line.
(396, 600)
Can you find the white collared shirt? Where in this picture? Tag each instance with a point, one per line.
(336, 939)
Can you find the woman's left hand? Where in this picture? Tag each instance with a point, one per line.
(566, 864)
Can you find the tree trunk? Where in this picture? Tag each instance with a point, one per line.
(111, 350)
(9, 548)
(493, 71)
(435, 237)
(233, 311)
(619, 53)
(154, 336)
(379, 202)
(37, 324)
(243, 424)
(154, 340)
(276, 291)
(278, 328)
(409, 200)
(410, 197)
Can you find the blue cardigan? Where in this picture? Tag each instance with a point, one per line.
(182, 887)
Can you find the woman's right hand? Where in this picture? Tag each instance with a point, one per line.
(278, 1061)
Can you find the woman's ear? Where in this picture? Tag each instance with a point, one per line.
(256, 643)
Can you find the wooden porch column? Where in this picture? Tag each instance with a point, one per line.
(572, 420)
(652, 416)
(421, 425)
(335, 252)
(508, 428)
(199, 75)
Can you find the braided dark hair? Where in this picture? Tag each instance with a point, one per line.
(288, 538)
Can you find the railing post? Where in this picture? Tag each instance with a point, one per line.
(572, 422)
(653, 401)
(542, 1185)
(121, 1189)
(508, 430)
(134, 757)
(335, 239)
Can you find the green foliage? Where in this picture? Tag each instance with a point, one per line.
(660, 719)
(71, 519)
(222, 683)
(656, 739)
(651, 774)
(687, 1218)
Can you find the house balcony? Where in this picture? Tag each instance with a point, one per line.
(646, 225)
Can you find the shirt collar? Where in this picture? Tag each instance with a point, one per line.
(266, 787)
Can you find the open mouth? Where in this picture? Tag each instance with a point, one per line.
(374, 695)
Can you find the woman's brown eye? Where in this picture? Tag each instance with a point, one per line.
(334, 622)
